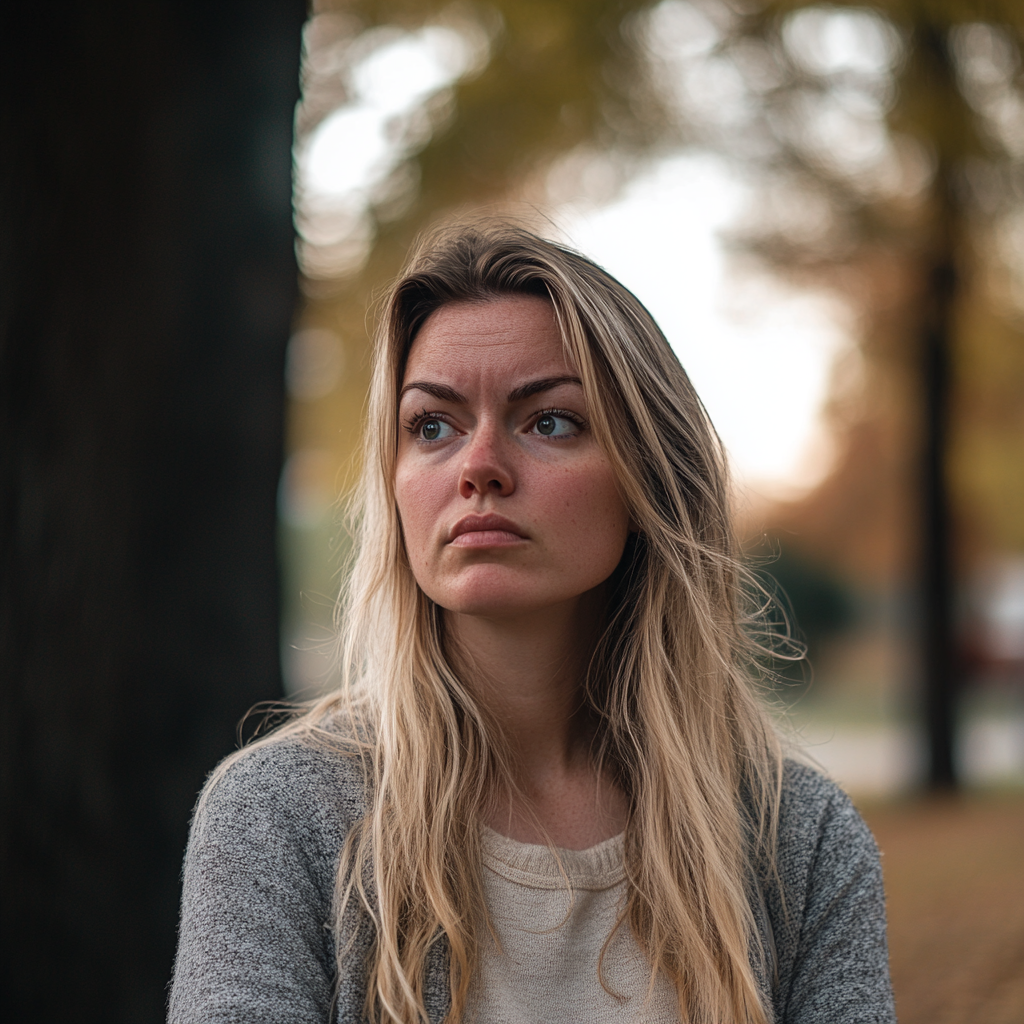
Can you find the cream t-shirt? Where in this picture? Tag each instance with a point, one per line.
(552, 922)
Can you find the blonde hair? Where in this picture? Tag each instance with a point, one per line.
(679, 721)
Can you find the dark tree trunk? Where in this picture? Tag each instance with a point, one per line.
(146, 290)
(939, 646)
(939, 643)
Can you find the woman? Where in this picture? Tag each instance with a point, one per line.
(547, 789)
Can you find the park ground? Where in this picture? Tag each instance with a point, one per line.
(954, 874)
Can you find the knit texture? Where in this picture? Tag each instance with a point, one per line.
(551, 937)
(256, 941)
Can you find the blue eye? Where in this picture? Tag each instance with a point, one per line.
(434, 430)
(551, 425)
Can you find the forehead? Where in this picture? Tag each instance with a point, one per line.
(514, 334)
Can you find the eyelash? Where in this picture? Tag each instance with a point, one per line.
(564, 414)
(413, 424)
(416, 421)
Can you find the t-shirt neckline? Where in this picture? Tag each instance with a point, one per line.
(543, 867)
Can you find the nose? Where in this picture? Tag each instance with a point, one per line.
(486, 467)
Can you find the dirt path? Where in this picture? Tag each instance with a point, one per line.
(954, 873)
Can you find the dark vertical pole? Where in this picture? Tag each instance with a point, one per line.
(939, 654)
(147, 282)
(939, 647)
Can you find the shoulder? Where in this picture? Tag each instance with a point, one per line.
(256, 939)
(826, 906)
(820, 831)
(287, 775)
(811, 804)
(288, 790)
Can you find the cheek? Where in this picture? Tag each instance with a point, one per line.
(590, 515)
(420, 496)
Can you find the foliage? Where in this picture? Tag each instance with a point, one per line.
(892, 173)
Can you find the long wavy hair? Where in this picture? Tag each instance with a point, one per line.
(680, 721)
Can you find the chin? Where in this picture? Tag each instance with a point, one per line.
(488, 605)
(493, 592)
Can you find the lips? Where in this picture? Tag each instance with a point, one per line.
(488, 530)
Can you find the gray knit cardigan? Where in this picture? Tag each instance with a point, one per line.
(256, 943)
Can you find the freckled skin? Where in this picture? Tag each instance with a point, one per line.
(486, 454)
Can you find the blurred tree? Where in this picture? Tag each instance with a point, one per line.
(887, 136)
(147, 281)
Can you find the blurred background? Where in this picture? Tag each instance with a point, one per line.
(821, 204)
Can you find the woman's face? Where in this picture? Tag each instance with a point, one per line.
(508, 504)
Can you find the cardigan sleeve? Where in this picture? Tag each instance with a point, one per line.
(255, 940)
(835, 913)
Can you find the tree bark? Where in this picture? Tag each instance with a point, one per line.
(147, 283)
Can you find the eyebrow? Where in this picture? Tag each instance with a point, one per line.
(444, 393)
(535, 387)
(441, 392)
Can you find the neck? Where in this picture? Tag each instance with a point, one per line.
(527, 673)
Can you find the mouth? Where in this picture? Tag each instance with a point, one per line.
(485, 531)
